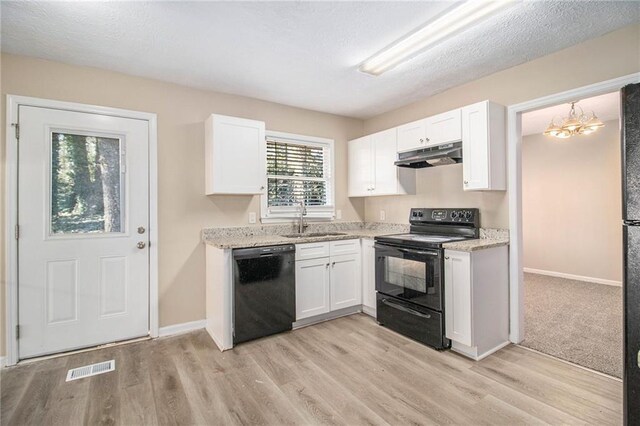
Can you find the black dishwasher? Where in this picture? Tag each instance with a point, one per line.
(264, 291)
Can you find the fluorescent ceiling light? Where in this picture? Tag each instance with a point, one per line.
(451, 23)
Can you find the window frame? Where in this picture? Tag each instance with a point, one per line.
(289, 213)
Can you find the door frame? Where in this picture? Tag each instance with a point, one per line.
(514, 175)
(11, 207)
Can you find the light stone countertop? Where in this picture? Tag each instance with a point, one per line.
(268, 235)
(271, 235)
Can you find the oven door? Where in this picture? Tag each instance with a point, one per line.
(413, 275)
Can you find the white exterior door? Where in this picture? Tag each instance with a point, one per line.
(83, 212)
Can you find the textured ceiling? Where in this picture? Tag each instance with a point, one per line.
(303, 54)
(606, 107)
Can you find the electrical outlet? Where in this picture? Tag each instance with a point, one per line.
(338, 214)
(252, 217)
(383, 215)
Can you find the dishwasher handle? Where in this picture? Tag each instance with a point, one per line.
(257, 252)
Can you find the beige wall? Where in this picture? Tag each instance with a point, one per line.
(572, 204)
(184, 211)
(183, 208)
(613, 55)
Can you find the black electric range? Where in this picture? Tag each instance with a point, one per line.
(410, 272)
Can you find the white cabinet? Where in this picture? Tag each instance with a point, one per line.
(458, 296)
(483, 146)
(327, 283)
(235, 155)
(345, 281)
(412, 135)
(444, 128)
(372, 169)
(368, 277)
(361, 167)
(312, 287)
(435, 130)
(477, 301)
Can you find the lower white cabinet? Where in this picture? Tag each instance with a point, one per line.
(345, 281)
(327, 283)
(368, 277)
(477, 300)
(313, 287)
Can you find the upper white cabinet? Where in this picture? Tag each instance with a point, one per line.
(412, 135)
(235, 155)
(483, 145)
(372, 169)
(361, 168)
(444, 128)
(430, 131)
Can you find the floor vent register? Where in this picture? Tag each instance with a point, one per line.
(91, 370)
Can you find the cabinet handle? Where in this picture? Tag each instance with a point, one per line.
(421, 140)
(261, 188)
(427, 139)
(446, 258)
(333, 264)
(327, 265)
(466, 182)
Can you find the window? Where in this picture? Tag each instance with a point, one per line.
(299, 169)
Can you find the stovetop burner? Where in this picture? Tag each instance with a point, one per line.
(431, 228)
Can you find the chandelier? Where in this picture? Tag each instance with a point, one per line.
(574, 124)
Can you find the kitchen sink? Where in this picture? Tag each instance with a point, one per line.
(314, 234)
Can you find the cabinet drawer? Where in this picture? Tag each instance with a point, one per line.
(312, 250)
(344, 247)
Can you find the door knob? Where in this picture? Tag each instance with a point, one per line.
(141, 229)
(141, 244)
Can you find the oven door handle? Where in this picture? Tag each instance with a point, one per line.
(404, 308)
(418, 252)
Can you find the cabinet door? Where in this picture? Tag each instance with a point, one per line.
(385, 149)
(360, 167)
(444, 128)
(312, 288)
(412, 135)
(475, 146)
(235, 155)
(346, 287)
(369, 275)
(458, 296)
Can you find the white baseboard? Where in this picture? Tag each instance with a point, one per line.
(573, 277)
(184, 327)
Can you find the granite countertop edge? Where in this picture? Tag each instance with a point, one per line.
(486, 240)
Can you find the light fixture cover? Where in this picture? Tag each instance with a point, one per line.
(574, 124)
(449, 24)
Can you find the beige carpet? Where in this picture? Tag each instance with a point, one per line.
(576, 321)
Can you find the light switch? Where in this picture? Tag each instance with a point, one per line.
(252, 217)
(338, 214)
(383, 215)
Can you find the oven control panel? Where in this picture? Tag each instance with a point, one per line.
(463, 215)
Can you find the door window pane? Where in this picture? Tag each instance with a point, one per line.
(86, 187)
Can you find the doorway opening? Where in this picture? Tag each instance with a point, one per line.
(571, 235)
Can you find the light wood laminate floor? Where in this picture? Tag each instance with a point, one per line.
(347, 371)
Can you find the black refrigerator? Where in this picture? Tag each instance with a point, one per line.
(631, 236)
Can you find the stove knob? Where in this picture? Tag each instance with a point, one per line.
(419, 214)
(468, 215)
(454, 215)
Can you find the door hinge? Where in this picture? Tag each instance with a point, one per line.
(16, 126)
(17, 331)
(17, 232)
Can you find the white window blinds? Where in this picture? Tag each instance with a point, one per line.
(298, 171)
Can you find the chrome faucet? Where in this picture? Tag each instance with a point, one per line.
(301, 224)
